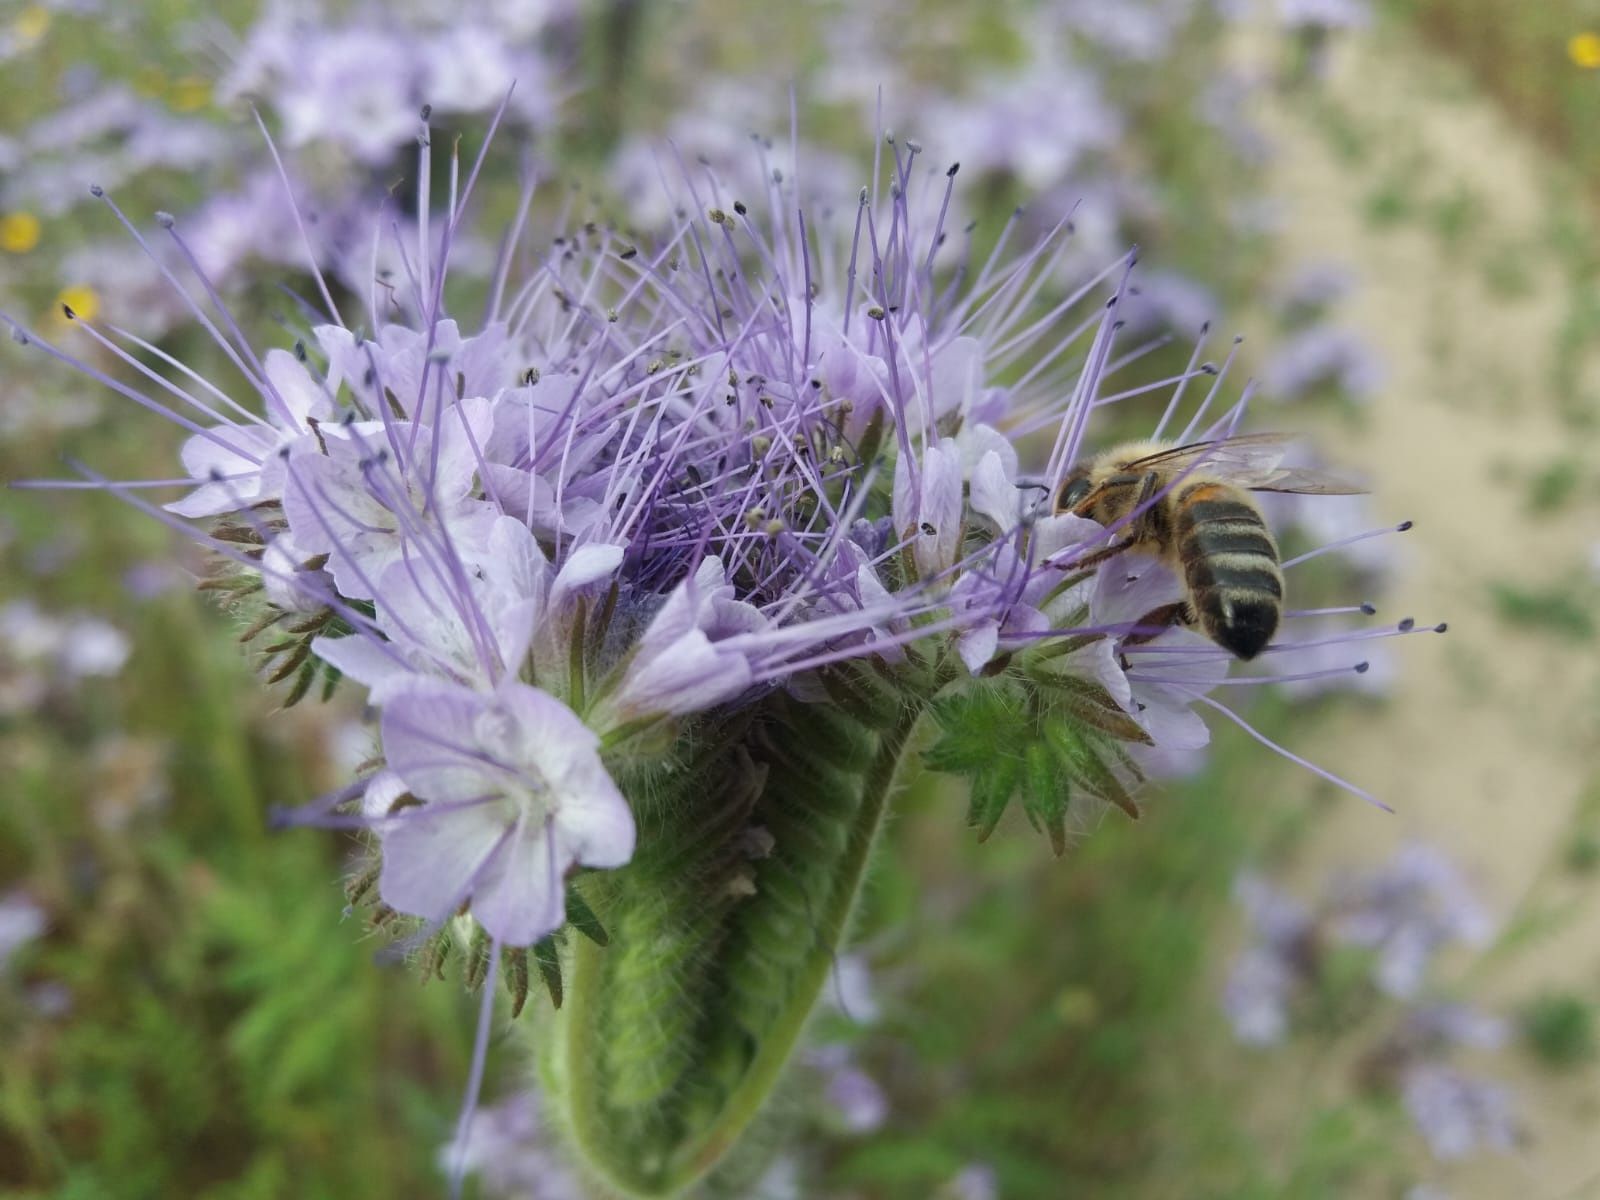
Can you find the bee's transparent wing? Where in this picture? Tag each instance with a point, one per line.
(1252, 460)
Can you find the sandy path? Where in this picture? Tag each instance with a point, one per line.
(1491, 736)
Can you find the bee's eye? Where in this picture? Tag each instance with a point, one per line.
(1072, 494)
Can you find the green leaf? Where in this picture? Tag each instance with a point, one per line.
(581, 917)
(1046, 792)
(548, 957)
(991, 790)
(1052, 739)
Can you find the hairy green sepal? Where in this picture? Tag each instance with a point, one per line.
(722, 932)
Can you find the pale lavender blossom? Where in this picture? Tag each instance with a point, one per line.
(976, 1182)
(516, 795)
(21, 921)
(1139, 30)
(1404, 912)
(512, 1153)
(1325, 14)
(1321, 358)
(1313, 287)
(1407, 911)
(106, 138)
(356, 83)
(1036, 122)
(1166, 300)
(1272, 970)
(854, 1100)
(44, 654)
(1457, 1114)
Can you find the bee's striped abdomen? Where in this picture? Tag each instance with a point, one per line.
(1230, 564)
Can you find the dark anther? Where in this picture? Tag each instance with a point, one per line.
(1407, 625)
(1441, 627)
(427, 111)
(1403, 526)
(1370, 610)
(738, 207)
(630, 252)
(1362, 668)
(928, 529)
(66, 311)
(951, 173)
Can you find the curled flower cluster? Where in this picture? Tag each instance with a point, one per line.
(662, 481)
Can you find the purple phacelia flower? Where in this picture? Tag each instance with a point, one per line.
(356, 84)
(510, 1150)
(21, 921)
(1458, 1114)
(670, 475)
(1406, 912)
(1321, 358)
(1325, 14)
(1269, 972)
(515, 793)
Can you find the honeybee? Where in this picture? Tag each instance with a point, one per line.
(1190, 507)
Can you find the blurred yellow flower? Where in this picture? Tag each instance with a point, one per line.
(1584, 49)
(1078, 1007)
(31, 24)
(19, 232)
(189, 93)
(82, 299)
(150, 82)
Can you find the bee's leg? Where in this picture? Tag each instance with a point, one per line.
(1099, 556)
(1158, 620)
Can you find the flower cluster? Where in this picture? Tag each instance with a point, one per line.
(313, 66)
(1394, 921)
(307, 67)
(662, 481)
(44, 656)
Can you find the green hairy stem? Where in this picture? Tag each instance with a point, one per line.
(723, 931)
